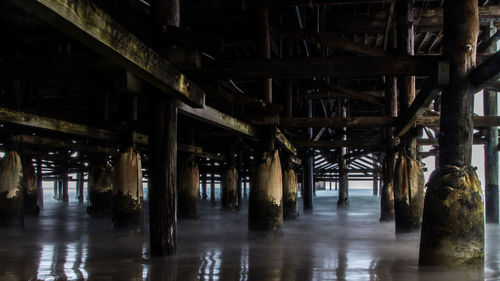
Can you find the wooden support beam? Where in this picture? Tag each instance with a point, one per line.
(370, 122)
(333, 41)
(87, 23)
(246, 101)
(215, 117)
(435, 141)
(431, 89)
(337, 123)
(487, 73)
(62, 144)
(285, 143)
(51, 124)
(296, 68)
(337, 91)
(341, 143)
(491, 41)
(478, 121)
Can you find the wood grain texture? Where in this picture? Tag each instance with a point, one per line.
(91, 26)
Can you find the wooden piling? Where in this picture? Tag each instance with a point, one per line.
(39, 181)
(163, 154)
(189, 190)
(409, 185)
(65, 186)
(387, 190)
(265, 209)
(453, 221)
(204, 186)
(163, 180)
(308, 168)
(29, 183)
(490, 105)
(11, 194)
(212, 185)
(409, 194)
(229, 196)
(343, 201)
(127, 189)
(290, 191)
(100, 188)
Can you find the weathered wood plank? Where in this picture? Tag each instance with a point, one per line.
(90, 25)
(370, 122)
(296, 68)
(358, 143)
(487, 73)
(337, 123)
(285, 143)
(217, 118)
(52, 124)
(62, 144)
(337, 91)
(333, 41)
(431, 89)
(246, 101)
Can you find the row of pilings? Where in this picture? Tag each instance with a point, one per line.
(119, 189)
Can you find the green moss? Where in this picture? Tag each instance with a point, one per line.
(263, 213)
(10, 207)
(453, 222)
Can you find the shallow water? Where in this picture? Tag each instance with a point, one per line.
(64, 243)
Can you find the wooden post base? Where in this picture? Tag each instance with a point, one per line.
(30, 196)
(290, 187)
(189, 191)
(100, 189)
(265, 209)
(11, 196)
(387, 202)
(127, 189)
(453, 222)
(409, 192)
(229, 192)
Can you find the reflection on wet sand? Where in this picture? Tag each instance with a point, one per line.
(65, 244)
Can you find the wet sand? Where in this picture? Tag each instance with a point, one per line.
(64, 243)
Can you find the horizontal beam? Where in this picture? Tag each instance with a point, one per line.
(285, 143)
(486, 73)
(360, 143)
(90, 25)
(479, 121)
(217, 118)
(52, 124)
(244, 100)
(333, 41)
(427, 94)
(296, 68)
(61, 144)
(337, 123)
(337, 91)
(371, 122)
